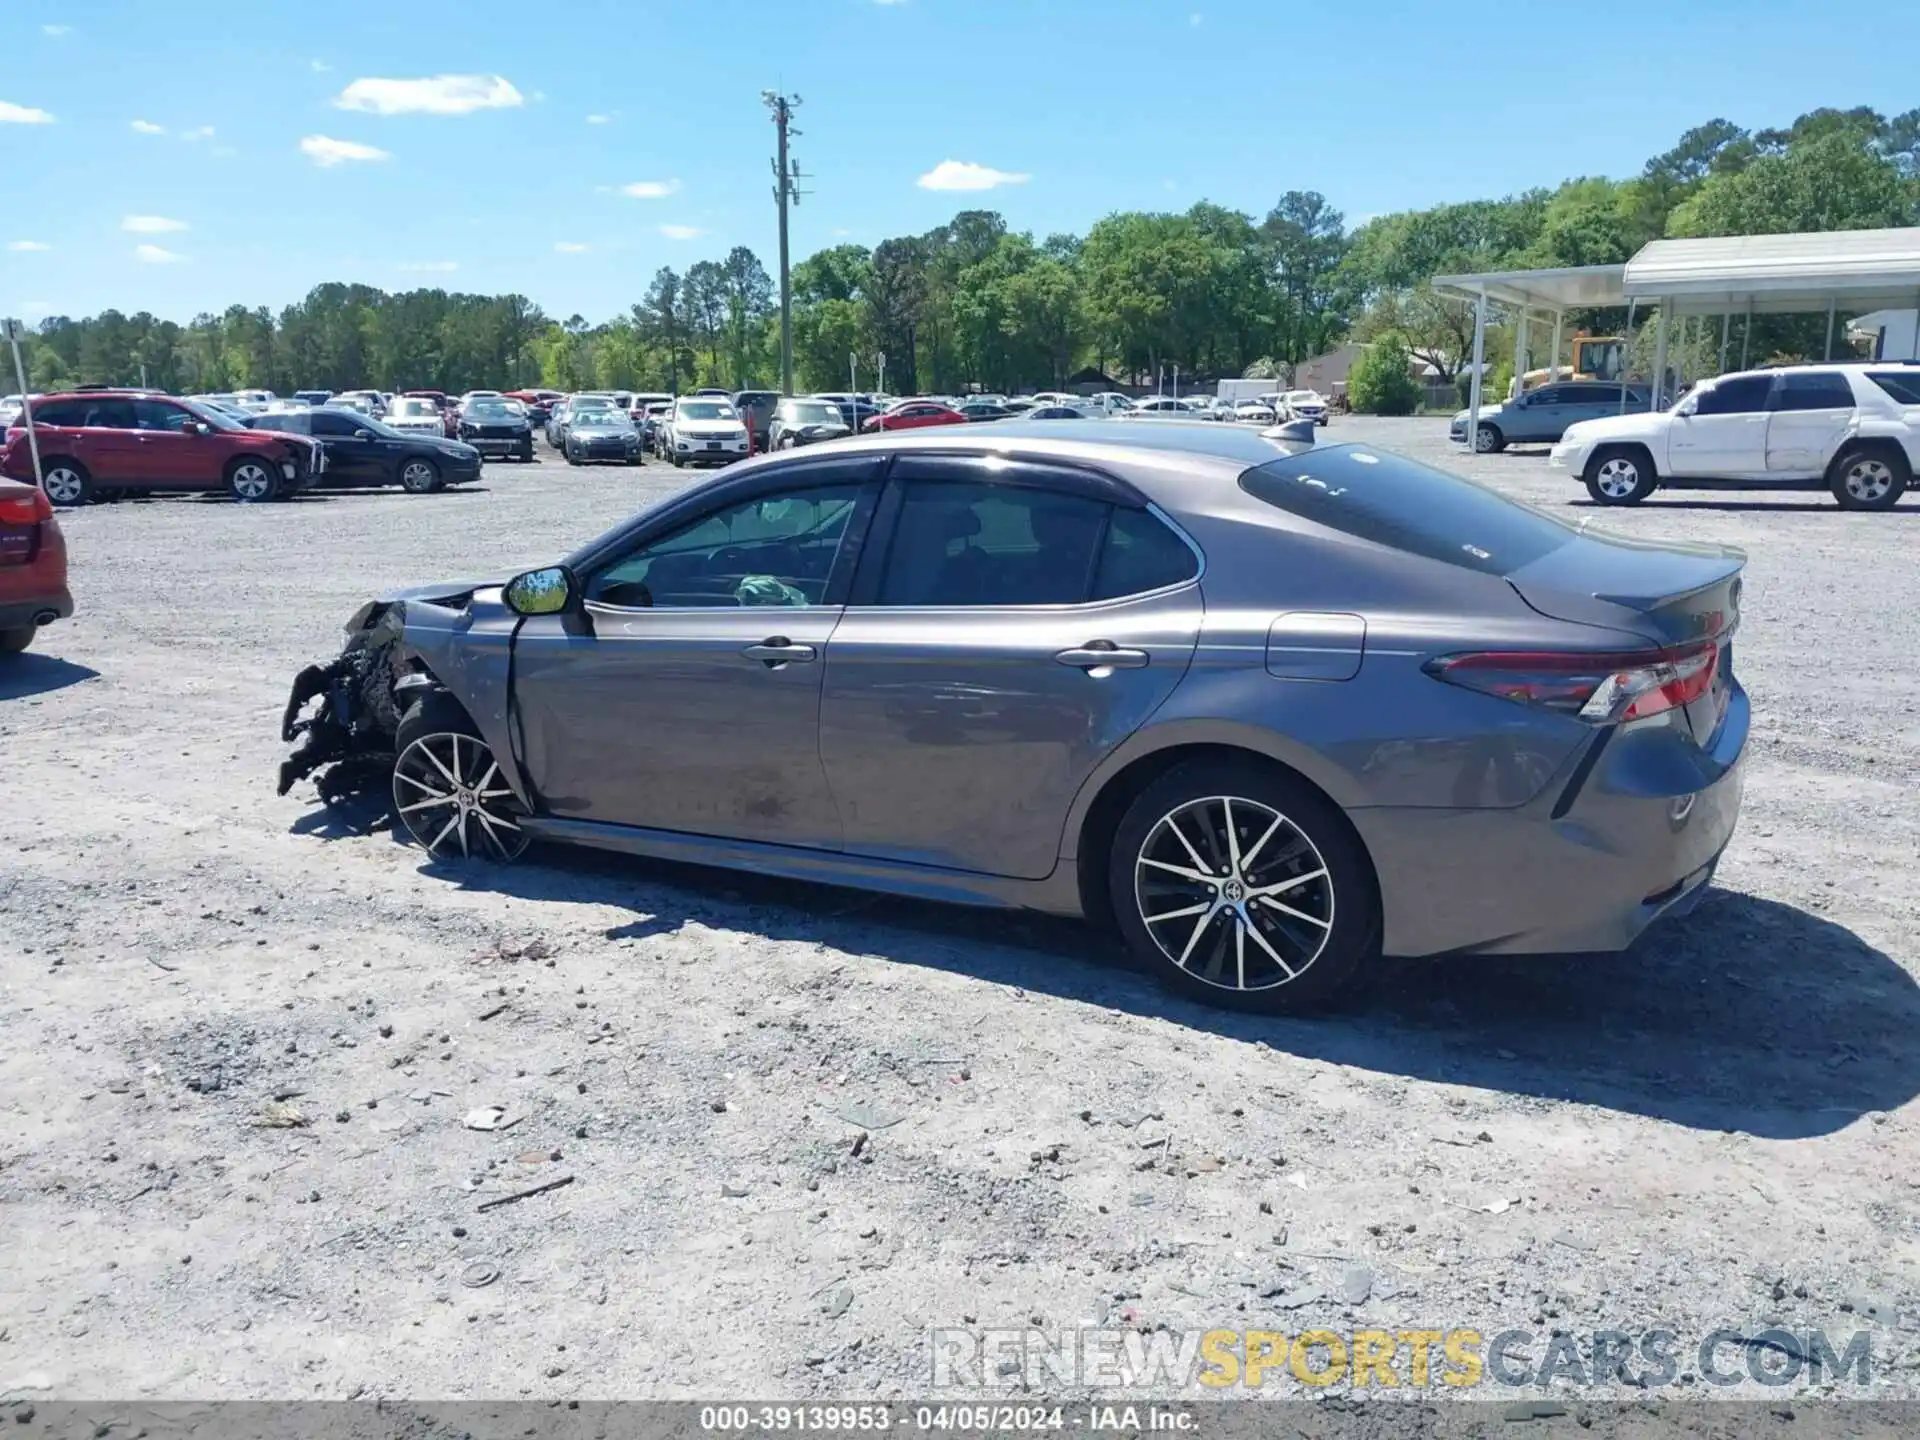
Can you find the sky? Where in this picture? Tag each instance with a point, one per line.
(179, 156)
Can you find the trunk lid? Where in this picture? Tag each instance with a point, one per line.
(1669, 595)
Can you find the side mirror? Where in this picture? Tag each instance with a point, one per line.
(200, 427)
(541, 592)
(363, 434)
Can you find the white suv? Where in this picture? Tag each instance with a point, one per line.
(1854, 429)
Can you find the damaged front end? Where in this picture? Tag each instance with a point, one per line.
(361, 694)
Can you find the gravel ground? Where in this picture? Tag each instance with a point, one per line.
(1716, 1128)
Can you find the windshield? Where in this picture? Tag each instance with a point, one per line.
(814, 414)
(603, 419)
(707, 410)
(492, 410)
(415, 410)
(211, 415)
(1301, 397)
(1400, 503)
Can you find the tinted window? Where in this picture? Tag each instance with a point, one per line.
(287, 422)
(773, 550)
(973, 544)
(336, 426)
(1141, 554)
(1592, 394)
(1815, 392)
(1902, 385)
(57, 412)
(1742, 395)
(1397, 502)
(1550, 395)
(158, 415)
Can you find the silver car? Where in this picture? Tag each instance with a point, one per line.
(1266, 710)
(1540, 417)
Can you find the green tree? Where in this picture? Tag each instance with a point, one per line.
(1836, 180)
(1381, 382)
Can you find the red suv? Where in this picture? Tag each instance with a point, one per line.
(33, 567)
(99, 442)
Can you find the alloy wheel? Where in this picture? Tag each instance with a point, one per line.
(1868, 480)
(1483, 441)
(1617, 478)
(63, 485)
(449, 792)
(251, 481)
(1234, 893)
(417, 477)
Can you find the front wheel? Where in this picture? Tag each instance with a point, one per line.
(1488, 440)
(526, 453)
(419, 477)
(1869, 478)
(66, 482)
(1619, 476)
(252, 482)
(448, 790)
(13, 641)
(1242, 887)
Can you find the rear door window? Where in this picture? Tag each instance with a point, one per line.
(1141, 554)
(1902, 385)
(1393, 501)
(1828, 391)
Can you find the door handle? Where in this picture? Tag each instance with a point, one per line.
(777, 650)
(1102, 654)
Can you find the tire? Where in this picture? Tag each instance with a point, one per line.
(572, 459)
(253, 481)
(1238, 949)
(526, 455)
(1869, 477)
(1488, 440)
(786, 442)
(66, 482)
(1620, 475)
(13, 641)
(478, 815)
(677, 461)
(420, 476)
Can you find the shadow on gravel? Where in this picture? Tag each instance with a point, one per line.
(30, 674)
(1747, 1015)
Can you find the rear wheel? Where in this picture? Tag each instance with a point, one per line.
(1242, 887)
(13, 641)
(448, 790)
(252, 481)
(1620, 475)
(1488, 440)
(66, 482)
(419, 477)
(1869, 477)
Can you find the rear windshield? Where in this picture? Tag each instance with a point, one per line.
(1391, 500)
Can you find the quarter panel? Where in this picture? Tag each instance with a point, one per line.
(471, 653)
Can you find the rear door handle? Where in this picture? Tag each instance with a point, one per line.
(777, 650)
(1102, 654)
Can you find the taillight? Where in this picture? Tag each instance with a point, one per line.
(25, 509)
(1602, 688)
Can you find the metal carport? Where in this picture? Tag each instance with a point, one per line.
(1852, 270)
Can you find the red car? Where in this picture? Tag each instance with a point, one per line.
(96, 442)
(912, 414)
(33, 567)
(449, 415)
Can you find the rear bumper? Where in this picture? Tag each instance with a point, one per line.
(1612, 844)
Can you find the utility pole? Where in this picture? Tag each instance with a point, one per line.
(785, 173)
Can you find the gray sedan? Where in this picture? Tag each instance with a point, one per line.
(1541, 417)
(1266, 710)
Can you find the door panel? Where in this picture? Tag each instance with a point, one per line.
(660, 718)
(171, 452)
(1726, 435)
(1800, 442)
(959, 737)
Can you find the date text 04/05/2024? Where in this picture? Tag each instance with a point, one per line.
(853, 1419)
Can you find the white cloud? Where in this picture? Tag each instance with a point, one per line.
(326, 152)
(56, 31)
(598, 119)
(965, 175)
(436, 95)
(151, 225)
(432, 267)
(319, 67)
(28, 247)
(682, 232)
(571, 247)
(23, 115)
(147, 127)
(155, 255)
(205, 132)
(651, 189)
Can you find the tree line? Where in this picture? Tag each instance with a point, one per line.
(970, 303)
